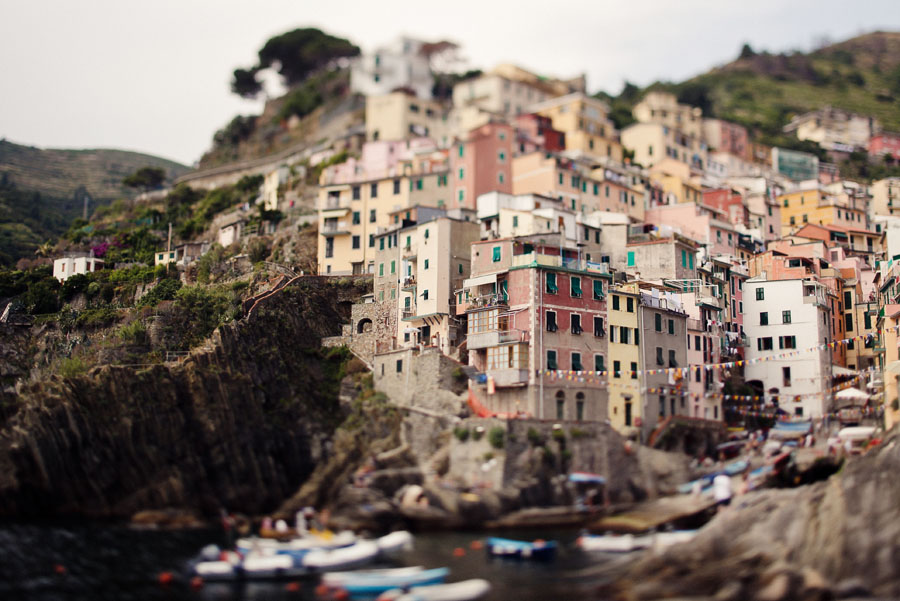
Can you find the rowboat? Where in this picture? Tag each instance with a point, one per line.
(467, 590)
(378, 581)
(344, 557)
(401, 540)
(505, 547)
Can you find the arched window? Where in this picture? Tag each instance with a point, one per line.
(364, 325)
(579, 406)
(560, 405)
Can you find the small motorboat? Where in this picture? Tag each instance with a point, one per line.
(467, 590)
(252, 567)
(614, 543)
(505, 547)
(338, 578)
(304, 543)
(345, 557)
(378, 581)
(401, 540)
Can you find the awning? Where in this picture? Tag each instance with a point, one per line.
(852, 394)
(481, 280)
(841, 372)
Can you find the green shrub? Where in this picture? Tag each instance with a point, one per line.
(578, 433)
(462, 434)
(166, 289)
(240, 285)
(496, 437)
(534, 437)
(133, 333)
(72, 366)
(93, 318)
(558, 435)
(478, 433)
(487, 456)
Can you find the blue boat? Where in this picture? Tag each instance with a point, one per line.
(369, 584)
(505, 547)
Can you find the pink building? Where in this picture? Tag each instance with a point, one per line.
(729, 203)
(386, 159)
(698, 223)
(885, 143)
(535, 133)
(727, 137)
(534, 308)
(482, 162)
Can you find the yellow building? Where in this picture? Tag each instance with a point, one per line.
(398, 116)
(654, 142)
(585, 123)
(890, 363)
(802, 206)
(886, 196)
(663, 108)
(675, 180)
(352, 214)
(624, 360)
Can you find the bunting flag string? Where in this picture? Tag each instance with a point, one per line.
(580, 375)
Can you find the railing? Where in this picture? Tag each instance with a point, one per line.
(408, 312)
(409, 282)
(696, 324)
(330, 228)
(487, 301)
(534, 258)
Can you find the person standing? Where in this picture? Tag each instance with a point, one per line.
(722, 490)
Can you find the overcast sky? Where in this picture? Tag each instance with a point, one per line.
(154, 76)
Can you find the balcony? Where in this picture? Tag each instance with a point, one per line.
(408, 284)
(408, 312)
(408, 252)
(480, 340)
(506, 377)
(534, 259)
(335, 229)
(487, 301)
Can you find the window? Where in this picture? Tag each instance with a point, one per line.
(356, 192)
(560, 405)
(787, 342)
(393, 267)
(598, 326)
(624, 335)
(381, 269)
(793, 220)
(579, 406)
(598, 290)
(786, 375)
(637, 336)
(460, 151)
(356, 218)
(785, 317)
(461, 195)
(576, 362)
(659, 356)
(690, 261)
(696, 342)
(615, 299)
(657, 322)
(598, 363)
(461, 173)
(760, 294)
(764, 344)
(575, 322)
(672, 361)
(501, 156)
(372, 216)
(396, 186)
(764, 318)
(551, 283)
(672, 326)
(515, 221)
(575, 286)
(373, 190)
(551, 360)
(551, 321)
(399, 365)
(381, 244)
(683, 258)
(425, 295)
(460, 268)
(426, 263)
(355, 242)
(629, 304)
(633, 370)
(630, 259)
(617, 369)
(867, 323)
(662, 406)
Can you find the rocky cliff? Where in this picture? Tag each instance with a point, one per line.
(836, 538)
(239, 424)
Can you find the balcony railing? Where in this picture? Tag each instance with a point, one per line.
(409, 282)
(408, 313)
(486, 301)
(341, 227)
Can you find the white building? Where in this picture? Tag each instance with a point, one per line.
(781, 316)
(400, 64)
(73, 264)
(183, 254)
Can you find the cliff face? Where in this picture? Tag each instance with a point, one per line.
(239, 424)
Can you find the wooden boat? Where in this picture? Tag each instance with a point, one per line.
(344, 557)
(372, 583)
(505, 547)
(614, 543)
(401, 540)
(467, 590)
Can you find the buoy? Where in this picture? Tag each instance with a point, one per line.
(341, 595)
(59, 569)
(322, 590)
(459, 552)
(292, 587)
(476, 544)
(196, 583)
(165, 578)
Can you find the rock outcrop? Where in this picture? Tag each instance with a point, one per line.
(239, 424)
(812, 542)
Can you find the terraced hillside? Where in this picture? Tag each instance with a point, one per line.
(59, 173)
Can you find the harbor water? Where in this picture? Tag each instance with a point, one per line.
(90, 561)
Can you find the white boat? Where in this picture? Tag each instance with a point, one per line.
(344, 557)
(401, 540)
(614, 543)
(370, 585)
(664, 540)
(338, 578)
(312, 541)
(466, 590)
(215, 570)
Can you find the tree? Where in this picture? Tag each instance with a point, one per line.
(747, 52)
(303, 51)
(697, 94)
(146, 178)
(245, 83)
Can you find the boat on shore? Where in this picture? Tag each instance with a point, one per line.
(467, 590)
(506, 547)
